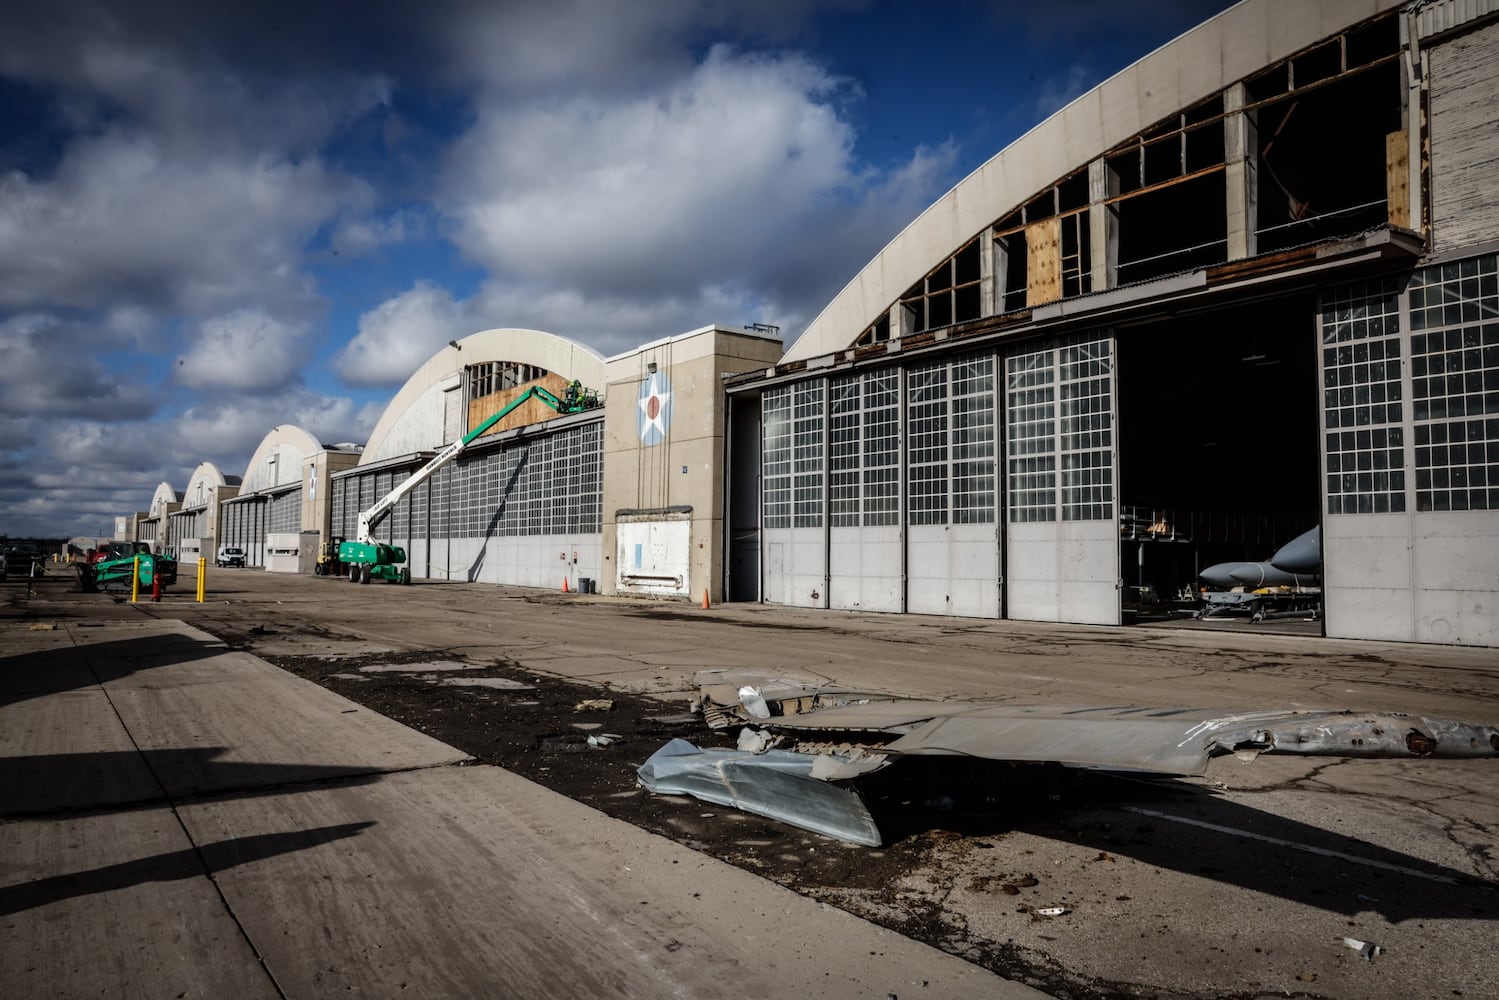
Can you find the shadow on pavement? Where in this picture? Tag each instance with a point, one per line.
(191, 862)
(52, 671)
(1174, 826)
(117, 779)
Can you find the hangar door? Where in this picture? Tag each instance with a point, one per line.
(953, 542)
(794, 534)
(1062, 535)
(864, 540)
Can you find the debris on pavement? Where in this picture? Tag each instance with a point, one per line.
(1366, 949)
(594, 705)
(778, 784)
(811, 783)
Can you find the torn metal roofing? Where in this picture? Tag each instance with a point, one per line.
(813, 786)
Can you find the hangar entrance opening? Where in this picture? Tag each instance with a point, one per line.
(1219, 458)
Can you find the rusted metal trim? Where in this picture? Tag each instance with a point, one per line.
(1161, 185)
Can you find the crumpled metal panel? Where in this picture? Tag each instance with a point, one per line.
(1130, 737)
(1182, 741)
(777, 784)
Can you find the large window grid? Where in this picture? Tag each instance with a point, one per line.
(1087, 444)
(286, 512)
(1454, 310)
(927, 445)
(776, 409)
(844, 431)
(543, 486)
(864, 475)
(1030, 389)
(973, 440)
(1362, 399)
(807, 415)
(881, 448)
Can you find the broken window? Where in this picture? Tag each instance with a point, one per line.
(1322, 120)
(949, 294)
(1177, 226)
(877, 332)
(489, 377)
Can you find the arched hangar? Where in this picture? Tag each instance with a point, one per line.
(1246, 288)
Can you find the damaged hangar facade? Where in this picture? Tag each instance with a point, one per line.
(1243, 289)
(1246, 288)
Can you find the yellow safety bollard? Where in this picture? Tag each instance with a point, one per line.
(202, 573)
(135, 581)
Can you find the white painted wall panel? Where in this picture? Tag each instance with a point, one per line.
(1455, 573)
(1032, 573)
(1063, 572)
(954, 570)
(1366, 576)
(653, 557)
(795, 567)
(865, 569)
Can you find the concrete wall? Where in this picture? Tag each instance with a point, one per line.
(674, 459)
(317, 487)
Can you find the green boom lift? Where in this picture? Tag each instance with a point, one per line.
(368, 558)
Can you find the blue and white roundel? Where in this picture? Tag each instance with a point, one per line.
(655, 408)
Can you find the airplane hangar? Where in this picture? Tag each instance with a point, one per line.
(1245, 289)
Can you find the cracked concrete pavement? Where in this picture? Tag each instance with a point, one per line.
(1242, 883)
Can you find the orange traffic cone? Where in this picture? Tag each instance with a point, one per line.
(705, 598)
(564, 585)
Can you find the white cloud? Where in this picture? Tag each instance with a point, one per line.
(727, 194)
(228, 430)
(125, 221)
(361, 235)
(49, 371)
(693, 183)
(399, 334)
(246, 350)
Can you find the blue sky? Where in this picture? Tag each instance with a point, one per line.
(219, 218)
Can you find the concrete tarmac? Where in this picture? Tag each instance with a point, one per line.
(182, 820)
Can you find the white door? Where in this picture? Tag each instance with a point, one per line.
(1062, 551)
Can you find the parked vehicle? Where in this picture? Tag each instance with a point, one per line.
(230, 555)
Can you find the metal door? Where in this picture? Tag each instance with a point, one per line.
(1062, 551)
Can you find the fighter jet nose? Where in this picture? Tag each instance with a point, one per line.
(1253, 574)
(1302, 554)
(1221, 575)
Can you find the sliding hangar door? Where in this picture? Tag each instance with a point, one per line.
(978, 485)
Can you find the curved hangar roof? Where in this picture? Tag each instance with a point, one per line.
(1197, 65)
(278, 459)
(413, 420)
(205, 479)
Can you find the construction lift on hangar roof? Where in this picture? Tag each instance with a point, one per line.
(368, 558)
